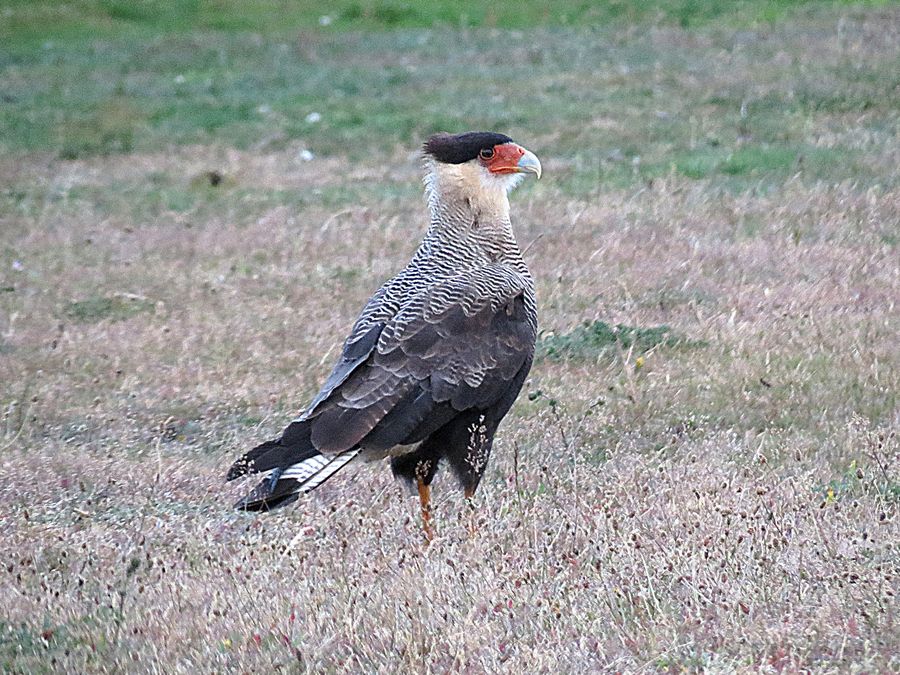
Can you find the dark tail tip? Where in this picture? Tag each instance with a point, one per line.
(238, 469)
(249, 462)
(270, 493)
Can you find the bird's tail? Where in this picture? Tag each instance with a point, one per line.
(296, 467)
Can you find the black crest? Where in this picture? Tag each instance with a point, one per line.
(459, 148)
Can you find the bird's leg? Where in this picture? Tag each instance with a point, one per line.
(425, 501)
(470, 497)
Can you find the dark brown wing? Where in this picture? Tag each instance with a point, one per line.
(456, 346)
(356, 350)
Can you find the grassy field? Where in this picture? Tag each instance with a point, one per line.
(703, 472)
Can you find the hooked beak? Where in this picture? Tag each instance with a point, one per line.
(529, 163)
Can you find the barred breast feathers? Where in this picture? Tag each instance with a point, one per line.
(469, 228)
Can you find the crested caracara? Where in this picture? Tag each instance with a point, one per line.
(438, 354)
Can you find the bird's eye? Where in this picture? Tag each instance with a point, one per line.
(486, 153)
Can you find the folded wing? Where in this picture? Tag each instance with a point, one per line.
(456, 345)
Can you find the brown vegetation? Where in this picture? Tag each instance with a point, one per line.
(727, 501)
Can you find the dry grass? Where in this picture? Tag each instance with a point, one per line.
(727, 504)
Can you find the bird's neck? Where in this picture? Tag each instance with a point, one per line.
(470, 215)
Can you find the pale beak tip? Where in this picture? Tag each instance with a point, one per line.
(529, 163)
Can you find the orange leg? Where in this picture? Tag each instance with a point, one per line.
(425, 501)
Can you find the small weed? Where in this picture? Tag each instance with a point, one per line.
(699, 165)
(249, 420)
(151, 12)
(109, 130)
(384, 13)
(19, 640)
(113, 308)
(666, 298)
(29, 648)
(759, 159)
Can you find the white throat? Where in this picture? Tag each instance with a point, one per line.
(469, 185)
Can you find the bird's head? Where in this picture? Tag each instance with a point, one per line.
(480, 160)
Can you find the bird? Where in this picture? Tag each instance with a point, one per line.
(438, 354)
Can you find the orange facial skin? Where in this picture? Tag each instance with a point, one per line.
(506, 158)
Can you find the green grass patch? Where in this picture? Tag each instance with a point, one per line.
(143, 77)
(26, 648)
(770, 162)
(38, 20)
(758, 159)
(107, 308)
(20, 642)
(108, 130)
(593, 339)
(852, 486)
(697, 165)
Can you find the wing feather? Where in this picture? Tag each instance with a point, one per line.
(459, 344)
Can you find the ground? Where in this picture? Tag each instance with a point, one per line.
(703, 470)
